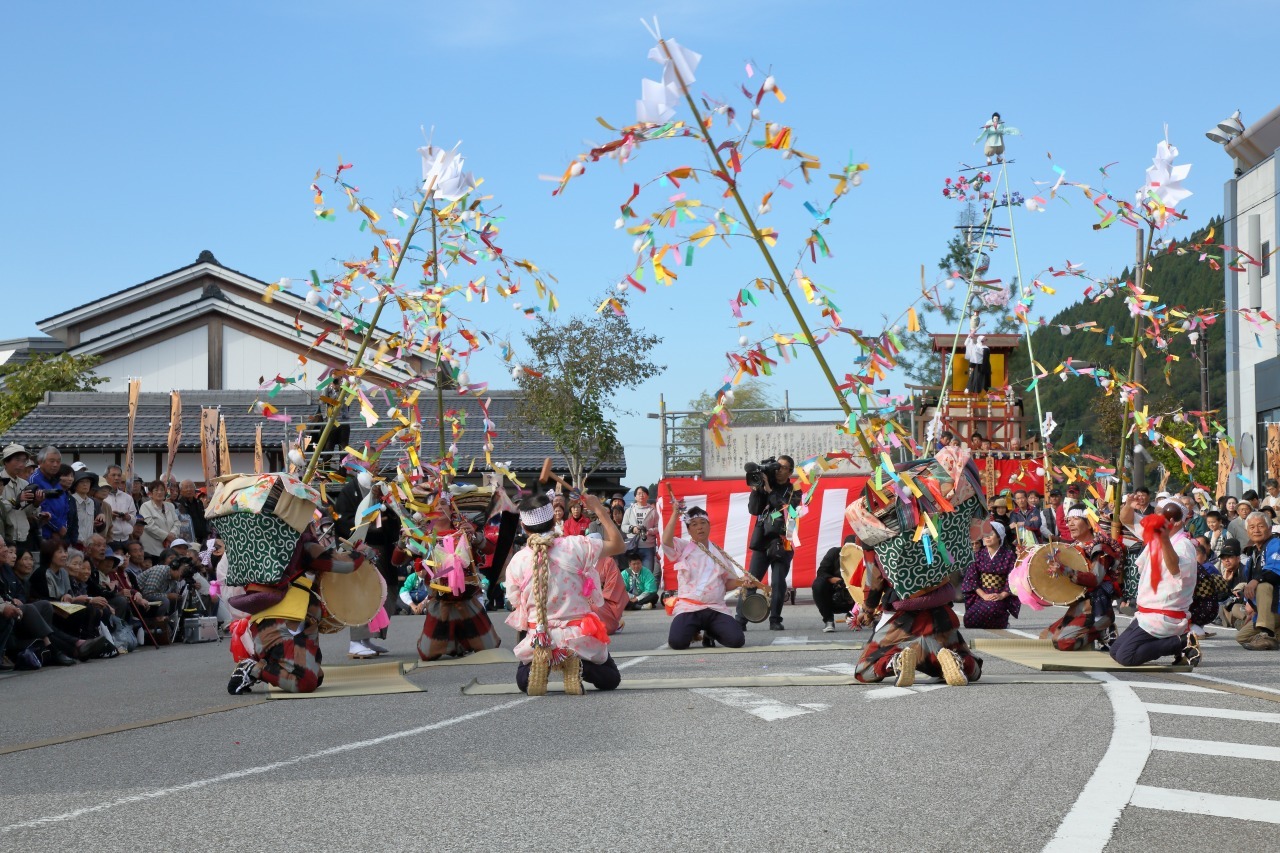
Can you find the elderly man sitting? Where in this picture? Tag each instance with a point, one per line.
(1262, 576)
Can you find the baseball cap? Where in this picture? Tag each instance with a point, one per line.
(179, 543)
(79, 466)
(1230, 548)
(14, 450)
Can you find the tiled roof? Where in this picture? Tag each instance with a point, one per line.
(96, 422)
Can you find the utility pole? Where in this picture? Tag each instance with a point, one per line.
(1139, 465)
(1204, 369)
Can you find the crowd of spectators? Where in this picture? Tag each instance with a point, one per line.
(92, 566)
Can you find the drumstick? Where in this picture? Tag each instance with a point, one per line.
(547, 474)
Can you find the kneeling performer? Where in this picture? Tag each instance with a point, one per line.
(705, 573)
(920, 632)
(554, 586)
(1166, 585)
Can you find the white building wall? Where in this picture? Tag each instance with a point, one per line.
(1255, 195)
(180, 362)
(96, 462)
(248, 361)
(132, 319)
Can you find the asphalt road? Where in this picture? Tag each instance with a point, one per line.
(987, 767)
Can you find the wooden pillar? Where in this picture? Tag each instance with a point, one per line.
(215, 353)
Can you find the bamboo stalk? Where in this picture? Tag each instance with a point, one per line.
(768, 256)
(364, 344)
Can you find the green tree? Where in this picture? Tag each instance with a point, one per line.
(23, 386)
(576, 370)
(1181, 282)
(917, 360)
(753, 403)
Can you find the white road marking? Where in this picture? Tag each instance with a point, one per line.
(753, 703)
(890, 692)
(1092, 819)
(1026, 634)
(1221, 749)
(263, 768)
(790, 641)
(1216, 713)
(836, 668)
(1234, 683)
(814, 706)
(1196, 802)
(1180, 688)
(632, 662)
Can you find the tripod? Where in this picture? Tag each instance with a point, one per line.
(190, 605)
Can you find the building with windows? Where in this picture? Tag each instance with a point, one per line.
(209, 332)
(1253, 349)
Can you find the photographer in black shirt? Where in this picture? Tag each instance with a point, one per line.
(771, 494)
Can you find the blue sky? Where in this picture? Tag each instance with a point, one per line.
(141, 133)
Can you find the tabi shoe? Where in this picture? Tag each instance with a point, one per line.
(572, 669)
(6, 665)
(708, 642)
(1191, 654)
(381, 650)
(242, 679)
(904, 666)
(776, 626)
(95, 648)
(952, 669)
(828, 627)
(360, 651)
(52, 657)
(1261, 642)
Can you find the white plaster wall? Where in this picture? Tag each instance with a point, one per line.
(246, 359)
(180, 362)
(96, 462)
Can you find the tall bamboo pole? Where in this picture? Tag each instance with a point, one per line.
(332, 421)
(768, 256)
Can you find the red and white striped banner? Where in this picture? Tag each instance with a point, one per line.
(725, 501)
(821, 529)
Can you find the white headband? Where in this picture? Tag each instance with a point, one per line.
(1077, 513)
(541, 515)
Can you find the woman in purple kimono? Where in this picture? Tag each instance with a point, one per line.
(988, 601)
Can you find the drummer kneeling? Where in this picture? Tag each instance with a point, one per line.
(705, 573)
(1166, 585)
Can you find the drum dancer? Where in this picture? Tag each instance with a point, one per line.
(554, 586)
(284, 639)
(1166, 584)
(1092, 618)
(704, 573)
(988, 601)
(456, 623)
(916, 633)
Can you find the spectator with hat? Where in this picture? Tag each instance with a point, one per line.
(190, 504)
(19, 500)
(86, 517)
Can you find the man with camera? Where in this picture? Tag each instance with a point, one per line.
(772, 498)
(56, 506)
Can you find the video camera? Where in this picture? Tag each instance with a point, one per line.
(759, 474)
